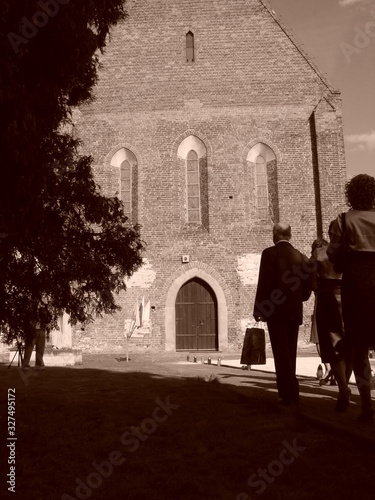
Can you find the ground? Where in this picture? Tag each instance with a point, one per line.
(156, 428)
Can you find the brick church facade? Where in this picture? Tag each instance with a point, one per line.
(211, 123)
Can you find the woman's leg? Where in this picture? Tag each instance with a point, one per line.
(362, 372)
(339, 371)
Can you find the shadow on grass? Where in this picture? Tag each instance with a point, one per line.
(158, 434)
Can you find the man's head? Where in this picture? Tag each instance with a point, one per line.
(281, 231)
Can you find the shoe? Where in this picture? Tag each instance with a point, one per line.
(26, 367)
(326, 378)
(366, 416)
(343, 400)
(38, 367)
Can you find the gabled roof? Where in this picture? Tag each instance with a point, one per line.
(298, 45)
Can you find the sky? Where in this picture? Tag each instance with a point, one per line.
(339, 35)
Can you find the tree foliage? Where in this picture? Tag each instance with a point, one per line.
(62, 242)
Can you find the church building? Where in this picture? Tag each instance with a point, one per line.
(211, 123)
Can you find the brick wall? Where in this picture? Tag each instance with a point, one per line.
(248, 84)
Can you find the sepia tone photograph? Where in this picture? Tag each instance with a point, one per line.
(187, 249)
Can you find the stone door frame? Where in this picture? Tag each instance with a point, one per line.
(170, 308)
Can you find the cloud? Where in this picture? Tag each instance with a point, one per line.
(345, 3)
(362, 142)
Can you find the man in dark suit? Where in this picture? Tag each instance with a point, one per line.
(284, 283)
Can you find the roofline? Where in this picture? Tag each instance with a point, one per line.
(304, 54)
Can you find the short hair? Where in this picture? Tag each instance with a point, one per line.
(282, 231)
(360, 192)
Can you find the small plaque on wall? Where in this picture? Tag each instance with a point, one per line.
(185, 259)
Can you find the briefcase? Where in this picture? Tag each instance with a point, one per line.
(254, 347)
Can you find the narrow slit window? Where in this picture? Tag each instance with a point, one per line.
(193, 187)
(126, 187)
(189, 47)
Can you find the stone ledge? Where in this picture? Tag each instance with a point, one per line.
(53, 357)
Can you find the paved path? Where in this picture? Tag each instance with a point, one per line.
(306, 365)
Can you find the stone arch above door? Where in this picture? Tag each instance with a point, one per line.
(170, 312)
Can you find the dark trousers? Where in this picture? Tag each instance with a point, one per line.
(39, 342)
(283, 336)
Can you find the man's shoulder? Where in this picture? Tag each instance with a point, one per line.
(269, 251)
(286, 248)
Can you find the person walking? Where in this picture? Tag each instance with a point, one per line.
(330, 329)
(352, 251)
(284, 283)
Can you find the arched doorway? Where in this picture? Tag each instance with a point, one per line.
(196, 317)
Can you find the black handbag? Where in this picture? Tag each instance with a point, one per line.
(254, 347)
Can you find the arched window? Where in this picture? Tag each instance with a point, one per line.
(126, 187)
(126, 163)
(262, 176)
(192, 160)
(189, 47)
(261, 186)
(193, 186)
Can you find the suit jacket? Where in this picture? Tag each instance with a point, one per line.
(285, 281)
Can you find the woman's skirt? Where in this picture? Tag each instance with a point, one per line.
(358, 298)
(329, 321)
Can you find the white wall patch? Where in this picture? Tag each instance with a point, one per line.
(143, 278)
(248, 268)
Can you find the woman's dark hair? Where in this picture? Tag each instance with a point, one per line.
(360, 192)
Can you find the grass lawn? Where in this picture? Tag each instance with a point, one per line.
(161, 432)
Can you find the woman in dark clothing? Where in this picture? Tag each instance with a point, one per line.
(357, 228)
(333, 345)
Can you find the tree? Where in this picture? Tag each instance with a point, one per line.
(62, 242)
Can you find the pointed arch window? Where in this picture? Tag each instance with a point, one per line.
(262, 178)
(261, 186)
(192, 162)
(126, 187)
(189, 47)
(126, 164)
(193, 186)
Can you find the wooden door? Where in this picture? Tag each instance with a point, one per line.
(196, 317)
